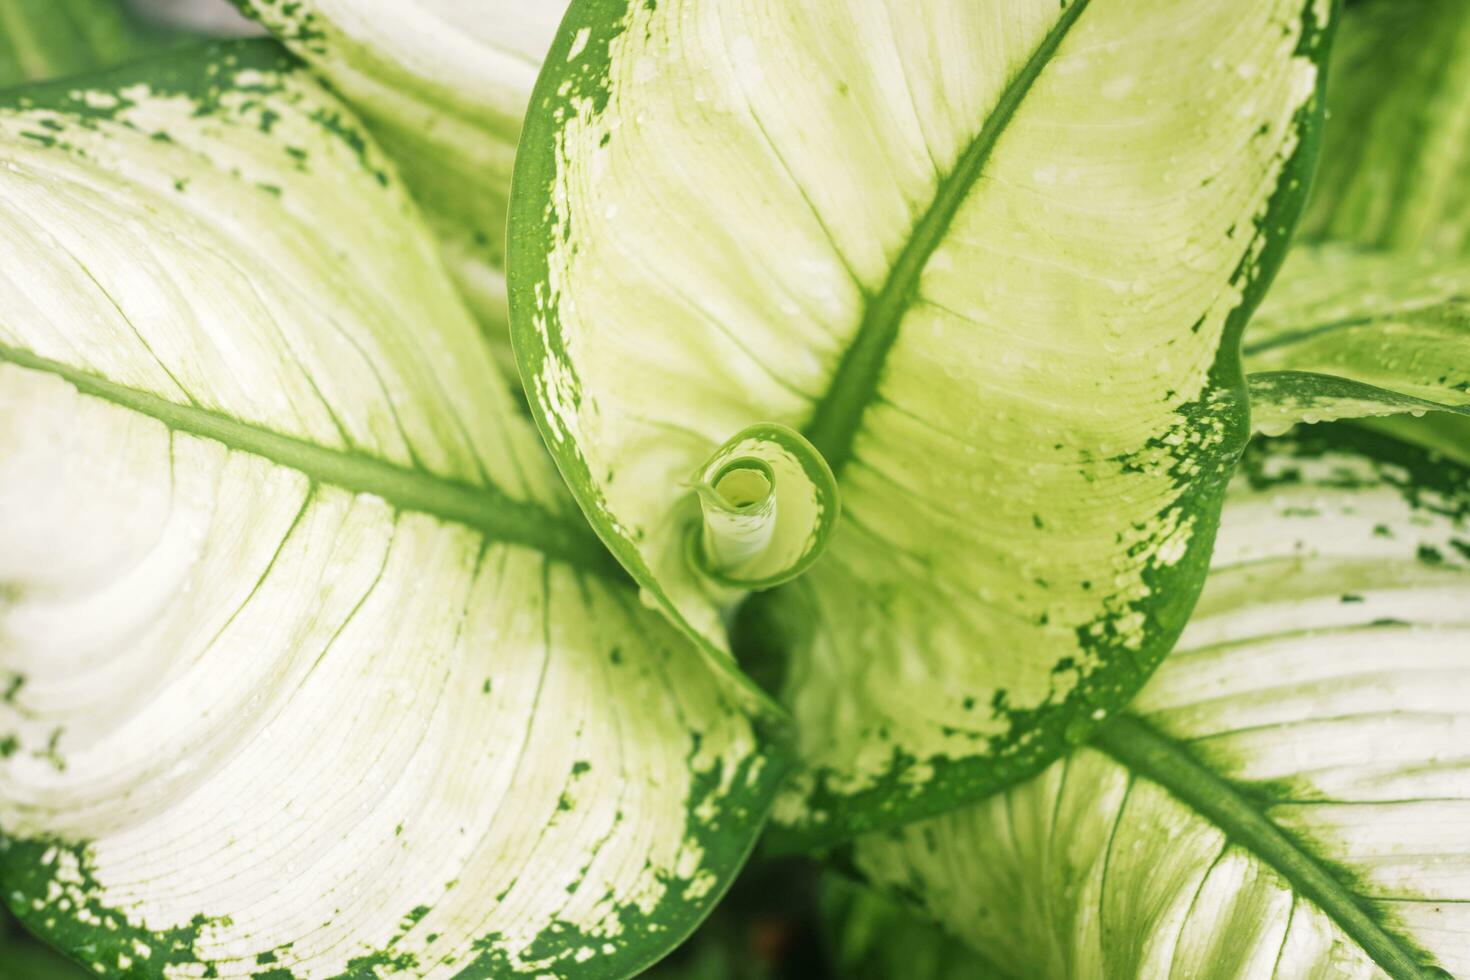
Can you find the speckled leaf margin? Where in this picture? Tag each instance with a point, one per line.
(443, 85)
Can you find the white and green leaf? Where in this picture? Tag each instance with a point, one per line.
(1288, 795)
(308, 666)
(443, 85)
(992, 259)
(1397, 142)
(1351, 334)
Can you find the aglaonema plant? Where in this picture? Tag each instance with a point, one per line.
(891, 353)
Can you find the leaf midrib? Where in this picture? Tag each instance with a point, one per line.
(839, 413)
(1142, 750)
(485, 509)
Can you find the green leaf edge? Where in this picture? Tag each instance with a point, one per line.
(1146, 753)
(530, 231)
(1060, 727)
(27, 869)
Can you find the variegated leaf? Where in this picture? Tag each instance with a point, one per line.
(309, 666)
(992, 259)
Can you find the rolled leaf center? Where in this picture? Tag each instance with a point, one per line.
(739, 514)
(768, 502)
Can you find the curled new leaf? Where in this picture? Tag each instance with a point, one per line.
(769, 504)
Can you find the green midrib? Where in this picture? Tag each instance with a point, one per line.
(1145, 752)
(839, 414)
(487, 510)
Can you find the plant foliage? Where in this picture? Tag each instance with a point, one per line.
(471, 471)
